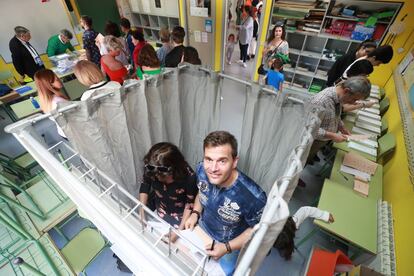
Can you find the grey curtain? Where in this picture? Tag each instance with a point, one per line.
(115, 132)
(182, 107)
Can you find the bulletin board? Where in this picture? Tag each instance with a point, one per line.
(43, 19)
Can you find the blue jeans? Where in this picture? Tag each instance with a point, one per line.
(228, 262)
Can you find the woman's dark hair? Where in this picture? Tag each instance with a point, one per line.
(191, 55)
(125, 23)
(369, 43)
(178, 34)
(168, 155)
(383, 53)
(272, 34)
(361, 67)
(285, 241)
(138, 35)
(248, 10)
(148, 57)
(111, 28)
(87, 19)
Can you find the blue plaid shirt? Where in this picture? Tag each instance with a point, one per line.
(227, 212)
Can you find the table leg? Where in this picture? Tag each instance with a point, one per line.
(307, 237)
(9, 112)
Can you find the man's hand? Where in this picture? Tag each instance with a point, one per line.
(337, 137)
(344, 131)
(331, 218)
(218, 251)
(191, 222)
(369, 103)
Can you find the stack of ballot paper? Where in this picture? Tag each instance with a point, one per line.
(361, 168)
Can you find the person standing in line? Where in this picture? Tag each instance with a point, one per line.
(25, 58)
(173, 58)
(126, 29)
(88, 40)
(163, 51)
(276, 46)
(139, 41)
(245, 35)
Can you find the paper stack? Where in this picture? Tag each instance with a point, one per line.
(361, 168)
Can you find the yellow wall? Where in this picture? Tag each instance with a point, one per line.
(383, 72)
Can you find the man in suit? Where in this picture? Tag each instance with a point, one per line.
(25, 58)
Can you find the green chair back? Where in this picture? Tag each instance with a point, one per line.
(384, 126)
(382, 93)
(386, 144)
(83, 248)
(5, 75)
(384, 105)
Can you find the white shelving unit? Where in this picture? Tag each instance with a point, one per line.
(309, 65)
(149, 17)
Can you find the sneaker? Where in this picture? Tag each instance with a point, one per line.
(240, 61)
(229, 62)
(244, 65)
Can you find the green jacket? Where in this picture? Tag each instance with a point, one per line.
(56, 47)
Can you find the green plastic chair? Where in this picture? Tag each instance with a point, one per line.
(386, 145)
(384, 105)
(7, 75)
(83, 249)
(382, 93)
(384, 126)
(20, 166)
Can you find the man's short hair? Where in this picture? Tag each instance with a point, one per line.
(66, 33)
(357, 86)
(20, 30)
(164, 35)
(178, 34)
(361, 67)
(138, 35)
(382, 53)
(221, 138)
(125, 23)
(277, 63)
(87, 19)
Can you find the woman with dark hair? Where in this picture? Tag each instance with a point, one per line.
(149, 62)
(112, 29)
(88, 40)
(190, 55)
(139, 41)
(173, 182)
(276, 46)
(285, 243)
(342, 63)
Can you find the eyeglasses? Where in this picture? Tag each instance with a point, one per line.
(158, 169)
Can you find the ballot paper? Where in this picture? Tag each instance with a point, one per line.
(355, 172)
(361, 187)
(373, 110)
(374, 122)
(196, 241)
(363, 139)
(369, 127)
(360, 163)
(362, 148)
(375, 87)
(358, 130)
(374, 96)
(350, 118)
(369, 114)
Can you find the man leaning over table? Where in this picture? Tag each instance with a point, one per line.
(59, 43)
(331, 99)
(228, 203)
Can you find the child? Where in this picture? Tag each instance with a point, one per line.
(273, 76)
(230, 47)
(285, 241)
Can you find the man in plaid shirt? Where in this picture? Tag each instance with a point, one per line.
(331, 99)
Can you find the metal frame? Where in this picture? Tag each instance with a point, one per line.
(117, 214)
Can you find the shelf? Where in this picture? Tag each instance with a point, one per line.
(321, 77)
(149, 28)
(327, 59)
(356, 19)
(337, 37)
(305, 73)
(289, 69)
(311, 54)
(294, 51)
